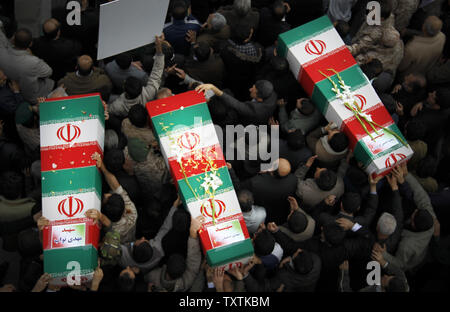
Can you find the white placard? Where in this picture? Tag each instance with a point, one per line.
(129, 24)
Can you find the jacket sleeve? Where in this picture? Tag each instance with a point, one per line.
(166, 226)
(344, 281)
(392, 269)
(421, 198)
(154, 80)
(342, 169)
(402, 256)
(131, 216)
(241, 107)
(397, 212)
(42, 70)
(369, 211)
(288, 245)
(193, 261)
(284, 119)
(313, 137)
(301, 172)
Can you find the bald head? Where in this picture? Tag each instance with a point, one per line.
(432, 26)
(85, 65)
(164, 93)
(284, 167)
(51, 28)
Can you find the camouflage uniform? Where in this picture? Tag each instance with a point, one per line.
(403, 11)
(390, 55)
(369, 36)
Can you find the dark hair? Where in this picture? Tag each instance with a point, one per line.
(132, 87)
(147, 63)
(142, 252)
(114, 208)
(396, 285)
(303, 263)
(386, 8)
(126, 283)
(279, 64)
(138, 116)
(176, 265)
(339, 142)
(246, 201)
(427, 167)
(388, 102)
(278, 10)
(264, 243)
(28, 243)
(327, 180)
(373, 68)
(124, 60)
(351, 202)
(415, 130)
(297, 222)
(343, 28)
(179, 10)
(423, 220)
(114, 160)
(240, 32)
(202, 51)
(334, 234)
(295, 140)
(23, 38)
(12, 184)
(307, 108)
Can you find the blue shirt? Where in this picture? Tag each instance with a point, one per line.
(175, 33)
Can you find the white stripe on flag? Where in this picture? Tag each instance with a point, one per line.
(59, 207)
(365, 97)
(225, 205)
(392, 159)
(72, 132)
(308, 50)
(189, 140)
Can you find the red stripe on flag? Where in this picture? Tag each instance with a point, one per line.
(73, 97)
(339, 59)
(167, 105)
(197, 161)
(355, 132)
(67, 157)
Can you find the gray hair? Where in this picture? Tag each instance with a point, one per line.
(386, 224)
(242, 7)
(218, 21)
(111, 139)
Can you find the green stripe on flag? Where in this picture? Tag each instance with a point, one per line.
(197, 180)
(190, 117)
(56, 260)
(364, 155)
(71, 110)
(71, 181)
(323, 95)
(302, 33)
(229, 253)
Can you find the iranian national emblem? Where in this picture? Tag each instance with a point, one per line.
(188, 140)
(68, 133)
(315, 47)
(206, 208)
(70, 206)
(362, 101)
(393, 159)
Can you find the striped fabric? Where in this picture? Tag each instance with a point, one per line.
(71, 129)
(312, 50)
(192, 151)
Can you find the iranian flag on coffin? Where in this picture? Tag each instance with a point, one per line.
(311, 48)
(71, 129)
(315, 53)
(192, 151)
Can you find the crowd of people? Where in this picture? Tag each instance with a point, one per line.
(315, 222)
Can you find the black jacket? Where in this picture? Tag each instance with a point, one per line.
(252, 112)
(61, 54)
